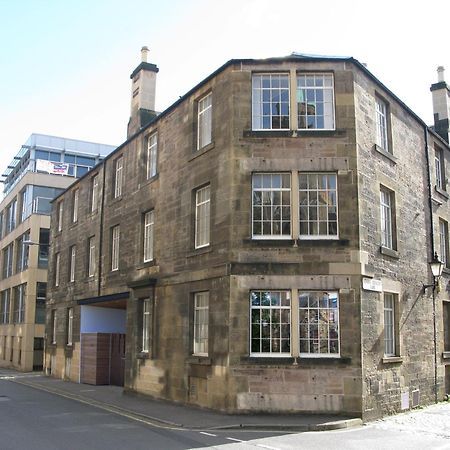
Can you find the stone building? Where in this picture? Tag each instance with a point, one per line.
(42, 169)
(260, 245)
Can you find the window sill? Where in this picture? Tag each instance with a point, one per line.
(144, 265)
(442, 193)
(202, 151)
(200, 360)
(143, 355)
(389, 252)
(446, 270)
(293, 133)
(199, 251)
(446, 354)
(392, 359)
(289, 242)
(298, 361)
(146, 182)
(385, 153)
(116, 199)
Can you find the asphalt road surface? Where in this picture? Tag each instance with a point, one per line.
(37, 420)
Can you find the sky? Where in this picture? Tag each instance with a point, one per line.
(65, 65)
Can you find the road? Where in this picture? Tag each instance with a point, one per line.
(37, 420)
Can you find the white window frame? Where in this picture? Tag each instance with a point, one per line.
(149, 229)
(321, 197)
(57, 268)
(146, 324)
(443, 242)
(118, 176)
(320, 311)
(201, 324)
(94, 195)
(60, 214)
(91, 256)
(5, 298)
(264, 100)
(387, 218)
(70, 326)
(382, 124)
(76, 194)
(115, 243)
(204, 121)
(389, 324)
(54, 326)
(316, 92)
(72, 263)
(202, 216)
(273, 310)
(266, 194)
(152, 155)
(439, 168)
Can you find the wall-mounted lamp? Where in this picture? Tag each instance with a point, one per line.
(436, 266)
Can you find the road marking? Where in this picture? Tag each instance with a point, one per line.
(233, 439)
(208, 434)
(267, 446)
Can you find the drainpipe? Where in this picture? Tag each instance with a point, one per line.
(430, 204)
(100, 235)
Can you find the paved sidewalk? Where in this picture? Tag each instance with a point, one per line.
(164, 413)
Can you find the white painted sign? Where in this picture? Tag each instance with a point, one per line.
(369, 284)
(52, 167)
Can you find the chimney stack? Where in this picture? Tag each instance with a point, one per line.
(143, 92)
(440, 93)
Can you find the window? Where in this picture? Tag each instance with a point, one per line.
(274, 316)
(318, 205)
(446, 327)
(271, 205)
(115, 237)
(148, 235)
(118, 177)
(76, 195)
(440, 169)
(23, 205)
(201, 319)
(19, 303)
(91, 256)
(57, 268)
(146, 324)
(69, 326)
(152, 155)
(94, 193)
(270, 323)
(202, 217)
(5, 306)
(443, 242)
(60, 215)
(389, 324)
(204, 118)
(387, 218)
(41, 295)
(381, 109)
(53, 322)
(8, 261)
(270, 102)
(315, 101)
(23, 251)
(44, 245)
(72, 257)
(318, 323)
(11, 212)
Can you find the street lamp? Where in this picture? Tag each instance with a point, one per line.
(436, 266)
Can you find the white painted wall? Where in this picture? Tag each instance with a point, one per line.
(95, 319)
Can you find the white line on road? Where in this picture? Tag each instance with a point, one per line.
(208, 434)
(267, 446)
(236, 440)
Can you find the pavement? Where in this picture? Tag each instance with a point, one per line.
(168, 414)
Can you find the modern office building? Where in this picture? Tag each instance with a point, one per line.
(42, 169)
(261, 245)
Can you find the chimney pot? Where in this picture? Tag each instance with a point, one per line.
(440, 71)
(144, 53)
